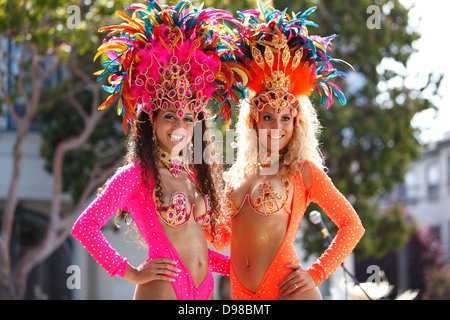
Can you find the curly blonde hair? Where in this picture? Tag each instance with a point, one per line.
(304, 144)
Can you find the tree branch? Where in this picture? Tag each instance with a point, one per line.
(53, 237)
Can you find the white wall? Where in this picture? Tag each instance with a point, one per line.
(35, 183)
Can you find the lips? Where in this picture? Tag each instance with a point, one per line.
(276, 137)
(176, 138)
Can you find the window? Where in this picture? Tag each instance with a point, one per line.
(448, 171)
(412, 187)
(432, 176)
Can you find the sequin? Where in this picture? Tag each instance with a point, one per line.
(324, 193)
(124, 191)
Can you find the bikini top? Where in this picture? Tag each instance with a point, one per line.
(178, 211)
(267, 203)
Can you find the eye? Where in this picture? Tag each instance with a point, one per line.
(169, 116)
(286, 118)
(267, 117)
(189, 119)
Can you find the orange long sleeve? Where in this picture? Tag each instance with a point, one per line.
(339, 210)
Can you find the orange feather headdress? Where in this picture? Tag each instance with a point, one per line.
(282, 62)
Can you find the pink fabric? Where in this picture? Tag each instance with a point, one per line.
(122, 192)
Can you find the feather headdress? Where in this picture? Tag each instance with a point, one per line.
(282, 61)
(165, 55)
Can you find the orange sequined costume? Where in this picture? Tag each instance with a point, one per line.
(281, 64)
(324, 193)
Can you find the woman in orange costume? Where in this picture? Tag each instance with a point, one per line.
(279, 168)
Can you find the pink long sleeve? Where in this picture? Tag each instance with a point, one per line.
(339, 210)
(219, 263)
(87, 228)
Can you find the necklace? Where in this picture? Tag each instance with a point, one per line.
(172, 163)
(270, 158)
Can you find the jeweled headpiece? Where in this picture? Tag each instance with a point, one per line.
(282, 61)
(167, 55)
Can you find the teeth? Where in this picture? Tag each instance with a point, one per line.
(176, 137)
(276, 138)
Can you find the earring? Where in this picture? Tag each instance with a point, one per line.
(155, 138)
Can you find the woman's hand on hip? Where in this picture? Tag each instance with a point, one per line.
(156, 269)
(296, 282)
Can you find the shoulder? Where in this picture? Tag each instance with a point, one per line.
(309, 170)
(128, 174)
(131, 168)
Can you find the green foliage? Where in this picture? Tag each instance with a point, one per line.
(385, 231)
(229, 5)
(60, 123)
(59, 120)
(67, 31)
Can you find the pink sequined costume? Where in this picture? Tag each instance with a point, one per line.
(125, 190)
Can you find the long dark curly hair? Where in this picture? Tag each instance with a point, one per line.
(208, 174)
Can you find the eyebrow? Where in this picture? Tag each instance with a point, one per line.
(271, 114)
(184, 114)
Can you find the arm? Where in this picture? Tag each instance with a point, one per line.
(87, 228)
(223, 226)
(323, 192)
(218, 262)
(222, 238)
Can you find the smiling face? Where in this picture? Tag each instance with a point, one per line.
(173, 132)
(275, 130)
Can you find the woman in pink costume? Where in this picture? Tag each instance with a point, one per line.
(163, 67)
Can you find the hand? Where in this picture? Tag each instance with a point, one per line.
(150, 270)
(296, 282)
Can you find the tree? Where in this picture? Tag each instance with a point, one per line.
(49, 34)
(425, 260)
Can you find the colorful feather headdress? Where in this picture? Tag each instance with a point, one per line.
(167, 55)
(282, 62)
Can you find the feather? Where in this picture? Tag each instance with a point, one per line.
(138, 48)
(108, 101)
(257, 28)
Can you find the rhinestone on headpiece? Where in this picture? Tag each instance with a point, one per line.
(167, 54)
(282, 62)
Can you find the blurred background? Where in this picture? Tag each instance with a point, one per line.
(387, 150)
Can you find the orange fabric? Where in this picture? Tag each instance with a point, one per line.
(324, 193)
(267, 289)
(339, 210)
